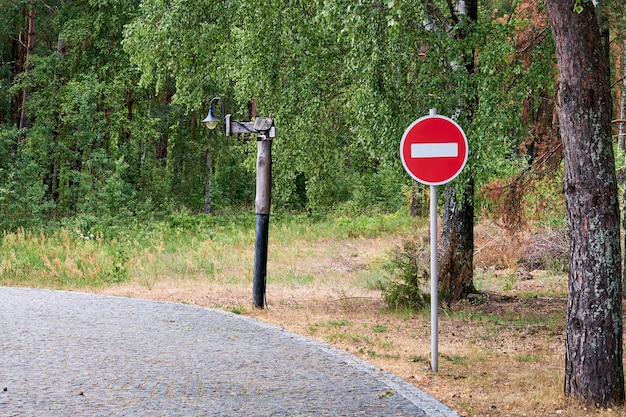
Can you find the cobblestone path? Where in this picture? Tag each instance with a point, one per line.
(74, 354)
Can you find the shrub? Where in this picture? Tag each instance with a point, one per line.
(407, 276)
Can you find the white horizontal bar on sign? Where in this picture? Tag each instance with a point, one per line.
(435, 150)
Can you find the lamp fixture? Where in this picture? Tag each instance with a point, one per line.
(211, 121)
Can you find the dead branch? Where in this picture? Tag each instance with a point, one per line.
(619, 80)
(536, 40)
(434, 10)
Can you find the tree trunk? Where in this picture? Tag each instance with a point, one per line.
(621, 126)
(456, 267)
(418, 205)
(621, 140)
(30, 44)
(593, 362)
(457, 241)
(207, 185)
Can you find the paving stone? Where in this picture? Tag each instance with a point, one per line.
(75, 354)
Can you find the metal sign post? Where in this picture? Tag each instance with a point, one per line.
(434, 151)
(434, 285)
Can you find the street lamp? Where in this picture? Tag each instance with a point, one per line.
(266, 131)
(211, 121)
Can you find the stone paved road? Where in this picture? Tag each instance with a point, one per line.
(73, 354)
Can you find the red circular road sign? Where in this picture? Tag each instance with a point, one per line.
(434, 150)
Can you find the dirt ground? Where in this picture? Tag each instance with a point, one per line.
(502, 354)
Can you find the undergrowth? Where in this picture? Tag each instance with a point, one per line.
(91, 252)
(407, 277)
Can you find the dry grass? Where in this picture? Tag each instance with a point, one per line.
(503, 357)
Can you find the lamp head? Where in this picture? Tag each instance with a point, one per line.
(211, 121)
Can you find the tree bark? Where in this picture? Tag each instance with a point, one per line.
(621, 129)
(208, 209)
(418, 205)
(456, 267)
(456, 275)
(30, 45)
(593, 363)
(621, 140)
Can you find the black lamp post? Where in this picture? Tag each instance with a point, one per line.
(266, 132)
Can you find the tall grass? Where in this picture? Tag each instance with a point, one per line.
(61, 259)
(79, 254)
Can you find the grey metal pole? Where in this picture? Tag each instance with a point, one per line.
(262, 204)
(434, 285)
(434, 288)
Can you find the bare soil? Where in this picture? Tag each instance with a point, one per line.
(500, 355)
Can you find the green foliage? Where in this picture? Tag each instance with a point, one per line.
(378, 189)
(21, 188)
(239, 310)
(117, 89)
(370, 225)
(407, 278)
(379, 328)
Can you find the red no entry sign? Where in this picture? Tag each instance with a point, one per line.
(434, 150)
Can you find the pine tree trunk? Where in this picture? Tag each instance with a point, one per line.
(621, 139)
(621, 131)
(593, 362)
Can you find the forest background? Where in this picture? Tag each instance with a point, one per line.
(100, 121)
(102, 102)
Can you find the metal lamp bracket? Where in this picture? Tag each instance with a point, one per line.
(262, 125)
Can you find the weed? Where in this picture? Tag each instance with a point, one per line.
(456, 359)
(405, 313)
(238, 310)
(337, 337)
(556, 265)
(332, 323)
(385, 394)
(379, 328)
(509, 282)
(387, 345)
(369, 226)
(339, 323)
(374, 279)
(118, 272)
(361, 339)
(292, 277)
(528, 358)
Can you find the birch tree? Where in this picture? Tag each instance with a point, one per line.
(456, 267)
